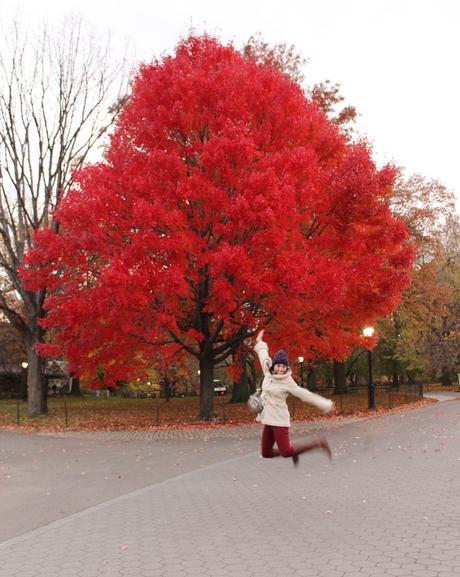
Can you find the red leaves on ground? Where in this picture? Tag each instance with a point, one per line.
(147, 414)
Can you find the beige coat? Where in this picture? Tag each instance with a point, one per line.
(276, 388)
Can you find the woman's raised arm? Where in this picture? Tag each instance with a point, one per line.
(261, 349)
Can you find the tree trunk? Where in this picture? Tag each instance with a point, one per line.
(340, 381)
(75, 390)
(165, 390)
(206, 388)
(446, 377)
(36, 389)
(252, 383)
(240, 392)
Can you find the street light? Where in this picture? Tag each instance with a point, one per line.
(301, 371)
(368, 332)
(23, 392)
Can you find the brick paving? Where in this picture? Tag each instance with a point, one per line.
(221, 432)
(387, 505)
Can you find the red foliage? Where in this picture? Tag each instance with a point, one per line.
(226, 201)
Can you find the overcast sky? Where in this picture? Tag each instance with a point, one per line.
(397, 61)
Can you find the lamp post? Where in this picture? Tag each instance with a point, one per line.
(368, 332)
(301, 371)
(23, 392)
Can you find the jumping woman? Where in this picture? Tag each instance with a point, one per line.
(277, 385)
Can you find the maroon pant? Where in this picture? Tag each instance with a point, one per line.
(280, 435)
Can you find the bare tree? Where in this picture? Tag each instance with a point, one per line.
(11, 345)
(59, 95)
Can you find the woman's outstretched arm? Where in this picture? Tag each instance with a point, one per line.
(323, 404)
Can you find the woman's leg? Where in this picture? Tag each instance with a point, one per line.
(319, 443)
(283, 442)
(271, 434)
(287, 450)
(268, 440)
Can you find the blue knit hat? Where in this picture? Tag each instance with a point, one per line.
(280, 358)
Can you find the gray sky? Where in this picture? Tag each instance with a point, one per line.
(396, 60)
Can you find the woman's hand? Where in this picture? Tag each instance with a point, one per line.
(260, 336)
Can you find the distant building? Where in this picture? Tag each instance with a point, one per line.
(13, 379)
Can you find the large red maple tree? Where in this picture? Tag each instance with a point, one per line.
(226, 202)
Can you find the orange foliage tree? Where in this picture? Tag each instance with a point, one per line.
(413, 340)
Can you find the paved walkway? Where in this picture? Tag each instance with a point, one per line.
(444, 395)
(387, 505)
(52, 476)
